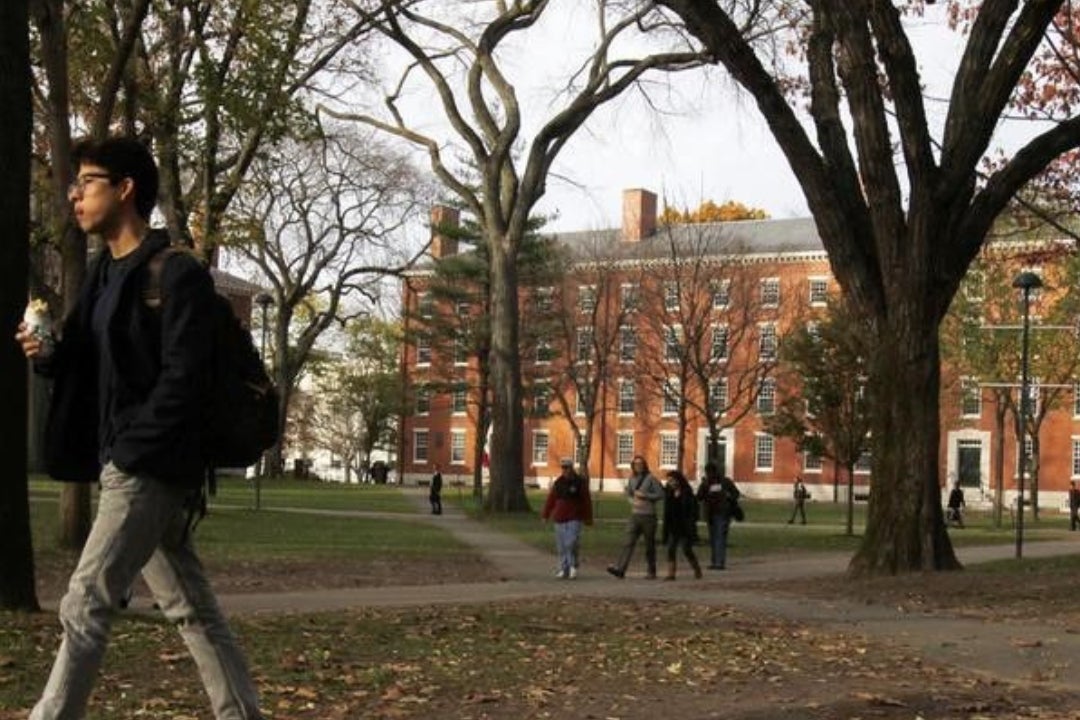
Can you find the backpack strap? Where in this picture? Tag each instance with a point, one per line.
(152, 295)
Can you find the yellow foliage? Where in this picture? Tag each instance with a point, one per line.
(709, 212)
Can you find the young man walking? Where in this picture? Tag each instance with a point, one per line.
(132, 384)
(568, 505)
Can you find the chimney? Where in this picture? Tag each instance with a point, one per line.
(638, 214)
(443, 218)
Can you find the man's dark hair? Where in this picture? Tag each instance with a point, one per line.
(122, 157)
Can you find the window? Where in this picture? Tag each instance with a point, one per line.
(813, 330)
(1032, 401)
(974, 284)
(672, 395)
(624, 448)
(544, 351)
(541, 399)
(540, 447)
(864, 463)
(627, 344)
(718, 396)
(545, 299)
(766, 399)
(1076, 457)
(627, 395)
(587, 298)
(585, 339)
(1029, 455)
(423, 400)
(770, 292)
(461, 351)
(423, 351)
(721, 294)
(462, 308)
(767, 342)
(629, 297)
(669, 450)
(457, 447)
(971, 398)
(819, 290)
(420, 446)
(425, 304)
(582, 402)
(458, 400)
(764, 446)
(1076, 399)
(719, 348)
(671, 296)
(672, 343)
(811, 462)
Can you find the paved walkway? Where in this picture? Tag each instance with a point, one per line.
(1030, 652)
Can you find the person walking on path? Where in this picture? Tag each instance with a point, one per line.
(800, 495)
(435, 491)
(955, 515)
(131, 386)
(644, 491)
(568, 505)
(680, 522)
(719, 495)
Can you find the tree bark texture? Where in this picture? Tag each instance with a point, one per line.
(507, 481)
(16, 550)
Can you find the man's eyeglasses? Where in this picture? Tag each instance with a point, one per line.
(78, 186)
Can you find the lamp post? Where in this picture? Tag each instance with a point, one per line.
(1026, 282)
(264, 300)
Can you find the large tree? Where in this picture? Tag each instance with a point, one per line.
(897, 204)
(466, 55)
(16, 556)
(323, 221)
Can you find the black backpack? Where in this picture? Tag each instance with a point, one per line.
(244, 405)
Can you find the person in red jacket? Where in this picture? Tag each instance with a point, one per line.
(568, 505)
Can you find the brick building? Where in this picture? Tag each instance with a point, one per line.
(730, 289)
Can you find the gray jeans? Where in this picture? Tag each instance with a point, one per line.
(142, 524)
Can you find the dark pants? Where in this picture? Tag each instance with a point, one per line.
(718, 532)
(1074, 518)
(686, 542)
(436, 503)
(800, 509)
(638, 526)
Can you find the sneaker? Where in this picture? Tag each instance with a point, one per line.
(560, 574)
(573, 573)
(612, 570)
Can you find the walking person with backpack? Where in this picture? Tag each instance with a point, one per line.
(569, 506)
(132, 388)
(644, 491)
(800, 495)
(680, 523)
(720, 497)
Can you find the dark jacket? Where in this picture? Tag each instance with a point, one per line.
(718, 496)
(680, 514)
(436, 484)
(160, 375)
(568, 499)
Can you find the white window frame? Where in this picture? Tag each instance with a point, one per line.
(720, 291)
(812, 463)
(417, 445)
(718, 387)
(1075, 457)
(720, 332)
(425, 305)
(629, 298)
(865, 463)
(459, 400)
(670, 396)
(624, 448)
(542, 396)
(544, 351)
(545, 299)
(423, 400)
(628, 340)
(586, 299)
(584, 340)
(818, 290)
(423, 351)
(671, 296)
(766, 398)
(764, 447)
(669, 450)
(970, 391)
(770, 292)
(541, 448)
(457, 447)
(673, 342)
(627, 390)
(768, 342)
(1076, 399)
(461, 352)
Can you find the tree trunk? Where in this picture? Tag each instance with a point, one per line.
(16, 550)
(905, 528)
(507, 491)
(850, 526)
